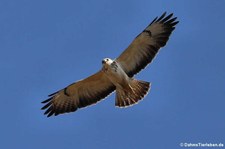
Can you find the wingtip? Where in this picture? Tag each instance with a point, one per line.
(161, 17)
(171, 14)
(53, 94)
(45, 113)
(46, 106)
(165, 12)
(166, 18)
(153, 21)
(50, 114)
(47, 100)
(174, 23)
(42, 108)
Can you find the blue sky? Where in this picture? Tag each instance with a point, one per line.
(46, 45)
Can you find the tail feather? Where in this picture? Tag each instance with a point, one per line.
(132, 94)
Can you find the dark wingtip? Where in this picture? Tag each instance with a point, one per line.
(153, 20)
(47, 100)
(167, 18)
(171, 14)
(164, 13)
(46, 106)
(53, 94)
(162, 16)
(50, 114)
(48, 110)
(174, 23)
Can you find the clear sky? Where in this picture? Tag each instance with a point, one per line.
(46, 45)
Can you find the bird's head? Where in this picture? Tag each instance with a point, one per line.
(107, 61)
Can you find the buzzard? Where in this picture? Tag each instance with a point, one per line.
(116, 75)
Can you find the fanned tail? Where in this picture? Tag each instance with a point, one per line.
(132, 94)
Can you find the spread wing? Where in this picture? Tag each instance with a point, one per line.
(146, 45)
(78, 95)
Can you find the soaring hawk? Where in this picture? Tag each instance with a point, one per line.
(116, 75)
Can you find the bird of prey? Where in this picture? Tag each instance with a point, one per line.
(116, 75)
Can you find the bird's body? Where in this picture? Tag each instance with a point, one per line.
(113, 71)
(129, 91)
(116, 75)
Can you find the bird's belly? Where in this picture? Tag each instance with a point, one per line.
(117, 77)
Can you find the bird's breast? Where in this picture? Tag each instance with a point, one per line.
(116, 74)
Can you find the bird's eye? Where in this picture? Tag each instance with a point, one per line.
(107, 59)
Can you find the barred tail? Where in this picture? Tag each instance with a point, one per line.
(132, 94)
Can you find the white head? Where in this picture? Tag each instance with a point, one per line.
(107, 61)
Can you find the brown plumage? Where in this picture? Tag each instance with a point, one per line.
(116, 74)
